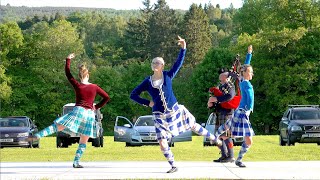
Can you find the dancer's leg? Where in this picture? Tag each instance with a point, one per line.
(81, 148)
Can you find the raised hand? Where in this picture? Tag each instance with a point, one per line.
(182, 43)
(70, 56)
(250, 49)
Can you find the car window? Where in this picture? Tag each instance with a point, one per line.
(306, 114)
(286, 114)
(67, 109)
(13, 123)
(145, 121)
(211, 120)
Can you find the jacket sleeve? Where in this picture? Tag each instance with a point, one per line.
(227, 96)
(177, 65)
(248, 59)
(135, 94)
(105, 98)
(70, 78)
(250, 96)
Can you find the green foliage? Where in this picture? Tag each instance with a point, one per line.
(163, 32)
(197, 34)
(118, 45)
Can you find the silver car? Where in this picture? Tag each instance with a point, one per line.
(211, 127)
(142, 132)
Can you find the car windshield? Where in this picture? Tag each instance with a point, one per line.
(145, 121)
(211, 120)
(306, 114)
(67, 109)
(13, 122)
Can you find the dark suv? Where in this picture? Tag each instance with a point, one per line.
(300, 123)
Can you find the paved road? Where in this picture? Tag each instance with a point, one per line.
(156, 169)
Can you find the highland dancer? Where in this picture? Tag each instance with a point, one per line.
(171, 119)
(81, 120)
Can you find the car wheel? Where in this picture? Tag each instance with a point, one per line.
(281, 142)
(101, 141)
(289, 143)
(36, 145)
(96, 142)
(128, 144)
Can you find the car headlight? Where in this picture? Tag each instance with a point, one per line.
(26, 134)
(296, 128)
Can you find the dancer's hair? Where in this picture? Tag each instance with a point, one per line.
(83, 71)
(244, 68)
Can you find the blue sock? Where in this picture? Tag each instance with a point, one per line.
(79, 152)
(197, 128)
(169, 155)
(47, 131)
(243, 151)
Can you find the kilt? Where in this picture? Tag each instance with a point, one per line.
(80, 121)
(172, 123)
(240, 124)
(221, 120)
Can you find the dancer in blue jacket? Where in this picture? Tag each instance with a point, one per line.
(171, 119)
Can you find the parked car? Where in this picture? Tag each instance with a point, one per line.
(211, 127)
(300, 123)
(64, 139)
(15, 130)
(142, 132)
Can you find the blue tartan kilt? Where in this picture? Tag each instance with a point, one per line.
(80, 121)
(172, 123)
(240, 124)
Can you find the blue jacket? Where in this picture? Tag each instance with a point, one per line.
(247, 93)
(162, 97)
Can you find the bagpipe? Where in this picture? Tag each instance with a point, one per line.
(234, 78)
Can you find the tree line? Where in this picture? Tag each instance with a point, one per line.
(118, 50)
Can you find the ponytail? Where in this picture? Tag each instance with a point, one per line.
(83, 71)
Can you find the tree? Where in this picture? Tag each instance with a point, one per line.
(46, 89)
(197, 33)
(214, 13)
(163, 31)
(137, 36)
(11, 39)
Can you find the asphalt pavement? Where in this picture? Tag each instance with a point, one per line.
(157, 170)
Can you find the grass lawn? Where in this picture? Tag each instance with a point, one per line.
(265, 148)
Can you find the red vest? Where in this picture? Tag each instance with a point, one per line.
(232, 104)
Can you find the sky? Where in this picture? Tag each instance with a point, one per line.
(118, 4)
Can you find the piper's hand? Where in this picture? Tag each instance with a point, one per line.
(213, 99)
(182, 43)
(70, 56)
(151, 104)
(250, 49)
(210, 104)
